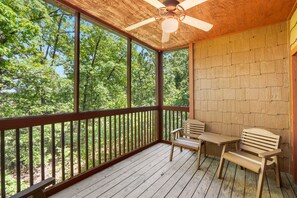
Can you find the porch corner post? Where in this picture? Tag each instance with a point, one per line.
(159, 86)
(191, 81)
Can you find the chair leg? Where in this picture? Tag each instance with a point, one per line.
(261, 178)
(199, 154)
(181, 149)
(278, 177)
(171, 153)
(260, 184)
(198, 158)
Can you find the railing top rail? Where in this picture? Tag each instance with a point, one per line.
(22, 122)
(171, 108)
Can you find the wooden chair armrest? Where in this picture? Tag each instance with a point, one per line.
(176, 130)
(268, 154)
(35, 189)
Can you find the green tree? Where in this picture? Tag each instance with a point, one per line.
(37, 72)
(143, 76)
(176, 78)
(103, 68)
(36, 40)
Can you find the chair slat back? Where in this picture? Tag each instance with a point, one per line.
(193, 128)
(258, 140)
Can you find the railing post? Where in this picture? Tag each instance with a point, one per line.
(159, 85)
(3, 192)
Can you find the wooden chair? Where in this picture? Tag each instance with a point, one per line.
(35, 191)
(187, 137)
(257, 151)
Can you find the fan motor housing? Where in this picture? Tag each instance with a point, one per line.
(170, 4)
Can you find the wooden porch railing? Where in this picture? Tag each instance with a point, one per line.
(65, 145)
(74, 145)
(173, 118)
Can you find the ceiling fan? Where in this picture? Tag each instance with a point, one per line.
(172, 12)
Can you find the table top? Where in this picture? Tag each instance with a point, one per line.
(218, 138)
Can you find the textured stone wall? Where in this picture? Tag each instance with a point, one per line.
(242, 81)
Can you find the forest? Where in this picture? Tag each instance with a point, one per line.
(37, 70)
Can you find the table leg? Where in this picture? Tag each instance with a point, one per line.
(236, 146)
(221, 162)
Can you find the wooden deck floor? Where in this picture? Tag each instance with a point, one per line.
(150, 174)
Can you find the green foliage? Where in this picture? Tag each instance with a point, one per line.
(176, 78)
(37, 77)
(143, 76)
(36, 40)
(103, 69)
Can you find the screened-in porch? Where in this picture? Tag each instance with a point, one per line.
(90, 92)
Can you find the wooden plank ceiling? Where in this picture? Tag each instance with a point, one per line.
(227, 16)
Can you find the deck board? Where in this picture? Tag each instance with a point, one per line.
(291, 180)
(201, 190)
(108, 182)
(189, 190)
(238, 187)
(78, 187)
(159, 175)
(216, 183)
(286, 186)
(166, 175)
(142, 179)
(250, 184)
(151, 174)
(227, 185)
(275, 192)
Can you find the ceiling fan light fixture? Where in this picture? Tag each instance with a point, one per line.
(169, 25)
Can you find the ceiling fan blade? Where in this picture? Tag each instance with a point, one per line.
(165, 37)
(137, 25)
(197, 23)
(155, 3)
(187, 4)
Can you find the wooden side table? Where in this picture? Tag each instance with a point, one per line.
(217, 139)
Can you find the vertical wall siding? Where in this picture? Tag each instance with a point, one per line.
(242, 81)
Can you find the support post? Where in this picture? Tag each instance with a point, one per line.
(191, 81)
(159, 86)
(293, 73)
(76, 62)
(129, 80)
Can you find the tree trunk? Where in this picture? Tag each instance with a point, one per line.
(88, 73)
(57, 39)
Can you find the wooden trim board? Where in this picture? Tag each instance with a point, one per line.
(293, 72)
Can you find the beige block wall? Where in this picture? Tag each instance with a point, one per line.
(242, 81)
(293, 30)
